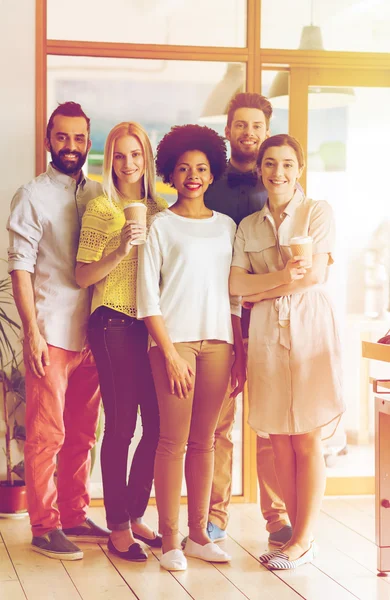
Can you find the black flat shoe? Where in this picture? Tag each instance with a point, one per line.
(134, 552)
(155, 542)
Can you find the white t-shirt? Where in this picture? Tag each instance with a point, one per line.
(183, 275)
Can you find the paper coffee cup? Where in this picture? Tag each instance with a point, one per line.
(136, 211)
(302, 246)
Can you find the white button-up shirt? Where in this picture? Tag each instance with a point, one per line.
(44, 228)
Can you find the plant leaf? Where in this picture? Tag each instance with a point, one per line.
(19, 432)
(19, 469)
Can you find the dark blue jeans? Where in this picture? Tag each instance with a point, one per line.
(119, 345)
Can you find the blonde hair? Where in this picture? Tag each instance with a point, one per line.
(109, 178)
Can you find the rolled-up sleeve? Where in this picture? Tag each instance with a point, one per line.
(25, 232)
(240, 257)
(322, 229)
(148, 276)
(235, 305)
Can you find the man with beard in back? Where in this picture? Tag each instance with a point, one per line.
(240, 193)
(62, 388)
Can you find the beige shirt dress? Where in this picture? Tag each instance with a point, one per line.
(294, 360)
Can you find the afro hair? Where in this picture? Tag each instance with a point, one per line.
(182, 138)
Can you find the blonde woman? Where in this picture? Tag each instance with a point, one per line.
(107, 260)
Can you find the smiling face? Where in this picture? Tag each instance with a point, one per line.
(192, 175)
(69, 144)
(246, 133)
(280, 171)
(128, 161)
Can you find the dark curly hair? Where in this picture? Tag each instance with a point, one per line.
(182, 138)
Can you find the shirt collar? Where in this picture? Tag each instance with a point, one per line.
(63, 178)
(290, 208)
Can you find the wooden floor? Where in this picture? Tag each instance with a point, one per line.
(345, 568)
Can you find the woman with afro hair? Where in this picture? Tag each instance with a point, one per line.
(195, 334)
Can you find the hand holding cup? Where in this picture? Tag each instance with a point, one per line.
(130, 233)
(302, 248)
(135, 215)
(295, 269)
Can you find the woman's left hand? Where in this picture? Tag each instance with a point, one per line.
(238, 375)
(246, 304)
(249, 301)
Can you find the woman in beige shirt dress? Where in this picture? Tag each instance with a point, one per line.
(294, 363)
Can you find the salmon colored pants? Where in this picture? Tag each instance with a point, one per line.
(272, 506)
(188, 422)
(62, 412)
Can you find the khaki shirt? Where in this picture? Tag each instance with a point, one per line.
(259, 248)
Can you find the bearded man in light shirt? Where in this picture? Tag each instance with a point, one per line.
(62, 387)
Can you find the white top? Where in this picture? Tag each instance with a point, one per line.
(44, 228)
(183, 275)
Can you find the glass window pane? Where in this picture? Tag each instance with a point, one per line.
(340, 139)
(342, 25)
(271, 82)
(157, 94)
(217, 23)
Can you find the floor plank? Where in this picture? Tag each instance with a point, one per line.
(308, 581)
(344, 570)
(7, 571)
(41, 578)
(351, 516)
(365, 504)
(348, 541)
(11, 590)
(351, 575)
(245, 570)
(148, 580)
(95, 578)
(246, 573)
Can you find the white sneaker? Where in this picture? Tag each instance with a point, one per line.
(174, 560)
(209, 552)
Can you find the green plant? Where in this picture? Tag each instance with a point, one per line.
(12, 380)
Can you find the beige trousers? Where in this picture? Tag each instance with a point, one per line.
(271, 504)
(189, 422)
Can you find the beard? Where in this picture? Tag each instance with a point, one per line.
(69, 167)
(244, 157)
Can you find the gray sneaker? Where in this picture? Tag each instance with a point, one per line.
(55, 544)
(281, 537)
(88, 532)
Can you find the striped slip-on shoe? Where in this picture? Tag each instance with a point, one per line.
(281, 561)
(267, 556)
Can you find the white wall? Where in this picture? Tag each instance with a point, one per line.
(17, 113)
(17, 101)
